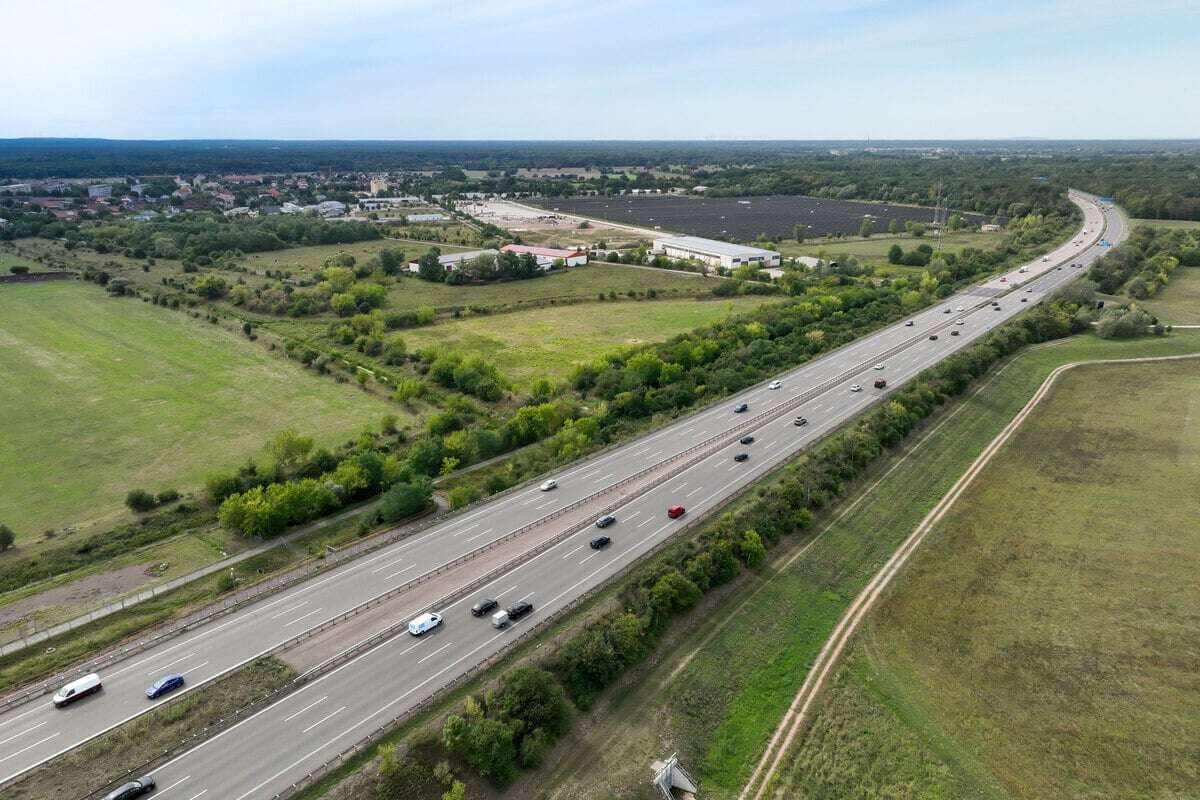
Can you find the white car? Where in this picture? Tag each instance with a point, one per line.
(959, 322)
(774, 384)
(548, 485)
(1045, 258)
(1022, 269)
(879, 366)
(856, 388)
(960, 308)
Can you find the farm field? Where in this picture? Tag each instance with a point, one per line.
(1167, 223)
(742, 219)
(545, 343)
(1066, 664)
(309, 260)
(1178, 303)
(9, 258)
(716, 689)
(874, 250)
(106, 395)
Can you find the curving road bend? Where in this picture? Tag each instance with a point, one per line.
(272, 749)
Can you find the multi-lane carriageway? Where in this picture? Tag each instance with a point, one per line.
(270, 750)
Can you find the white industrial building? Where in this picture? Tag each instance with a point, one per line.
(450, 261)
(714, 253)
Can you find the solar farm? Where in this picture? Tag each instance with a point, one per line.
(743, 218)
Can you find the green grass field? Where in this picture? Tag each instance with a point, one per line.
(718, 688)
(308, 260)
(1043, 642)
(103, 395)
(1179, 302)
(874, 249)
(545, 342)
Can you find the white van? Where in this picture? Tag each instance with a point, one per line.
(500, 619)
(424, 623)
(80, 687)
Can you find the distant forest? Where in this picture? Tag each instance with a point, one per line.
(1149, 178)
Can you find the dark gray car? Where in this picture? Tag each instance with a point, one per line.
(141, 786)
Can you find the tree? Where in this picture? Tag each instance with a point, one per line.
(140, 500)
(429, 267)
(895, 253)
(533, 697)
(895, 226)
(289, 448)
(955, 222)
(7, 537)
(798, 231)
(866, 228)
(404, 500)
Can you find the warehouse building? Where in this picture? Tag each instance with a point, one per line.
(450, 261)
(548, 255)
(714, 253)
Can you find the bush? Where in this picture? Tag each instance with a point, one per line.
(403, 500)
(167, 496)
(226, 582)
(7, 537)
(140, 500)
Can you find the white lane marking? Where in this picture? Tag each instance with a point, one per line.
(639, 452)
(674, 489)
(398, 572)
(306, 708)
(771, 444)
(21, 715)
(688, 429)
(545, 505)
(731, 469)
(22, 733)
(324, 719)
(526, 597)
(603, 478)
(177, 646)
(506, 591)
(631, 516)
(484, 533)
(289, 609)
(434, 653)
(647, 522)
(656, 453)
(161, 792)
(30, 747)
(693, 491)
(388, 565)
(170, 663)
(589, 474)
(471, 528)
(570, 553)
(700, 433)
(306, 616)
(200, 793)
(193, 669)
(589, 558)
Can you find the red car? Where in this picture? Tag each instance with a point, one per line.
(675, 512)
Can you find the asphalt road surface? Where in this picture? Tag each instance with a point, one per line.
(280, 744)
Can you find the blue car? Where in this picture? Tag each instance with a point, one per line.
(167, 683)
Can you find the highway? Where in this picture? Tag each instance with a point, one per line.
(277, 746)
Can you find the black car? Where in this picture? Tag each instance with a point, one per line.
(605, 521)
(996, 308)
(136, 788)
(483, 606)
(933, 337)
(798, 421)
(908, 324)
(741, 457)
(945, 311)
(599, 542)
(954, 333)
(519, 609)
(740, 407)
(1024, 299)
(746, 440)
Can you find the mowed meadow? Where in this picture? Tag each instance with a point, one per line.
(103, 395)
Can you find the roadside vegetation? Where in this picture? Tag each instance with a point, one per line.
(1059, 666)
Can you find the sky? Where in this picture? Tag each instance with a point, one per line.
(600, 69)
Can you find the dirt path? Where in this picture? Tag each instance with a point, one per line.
(793, 721)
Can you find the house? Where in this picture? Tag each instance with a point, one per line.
(225, 198)
(183, 192)
(242, 178)
(270, 211)
(291, 208)
(714, 253)
(572, 258)
(450, 261)
(241, 211)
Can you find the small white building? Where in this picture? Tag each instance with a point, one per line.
(714, 253)
(380, 203)
(425, 218)
(774, 273)
(99, 191)
(331, 208)
(989, 228)
(450, 261)
(812, 262)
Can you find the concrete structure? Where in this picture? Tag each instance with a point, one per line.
(450, 261)
(425, 217)
(380, 203)
(331, 208)
(989, 228)
(378, 186)
(812, 262)
(291, 208)
(572, 258)
(16, 188)
(99, 191)
(774, 273)
(714, 253)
